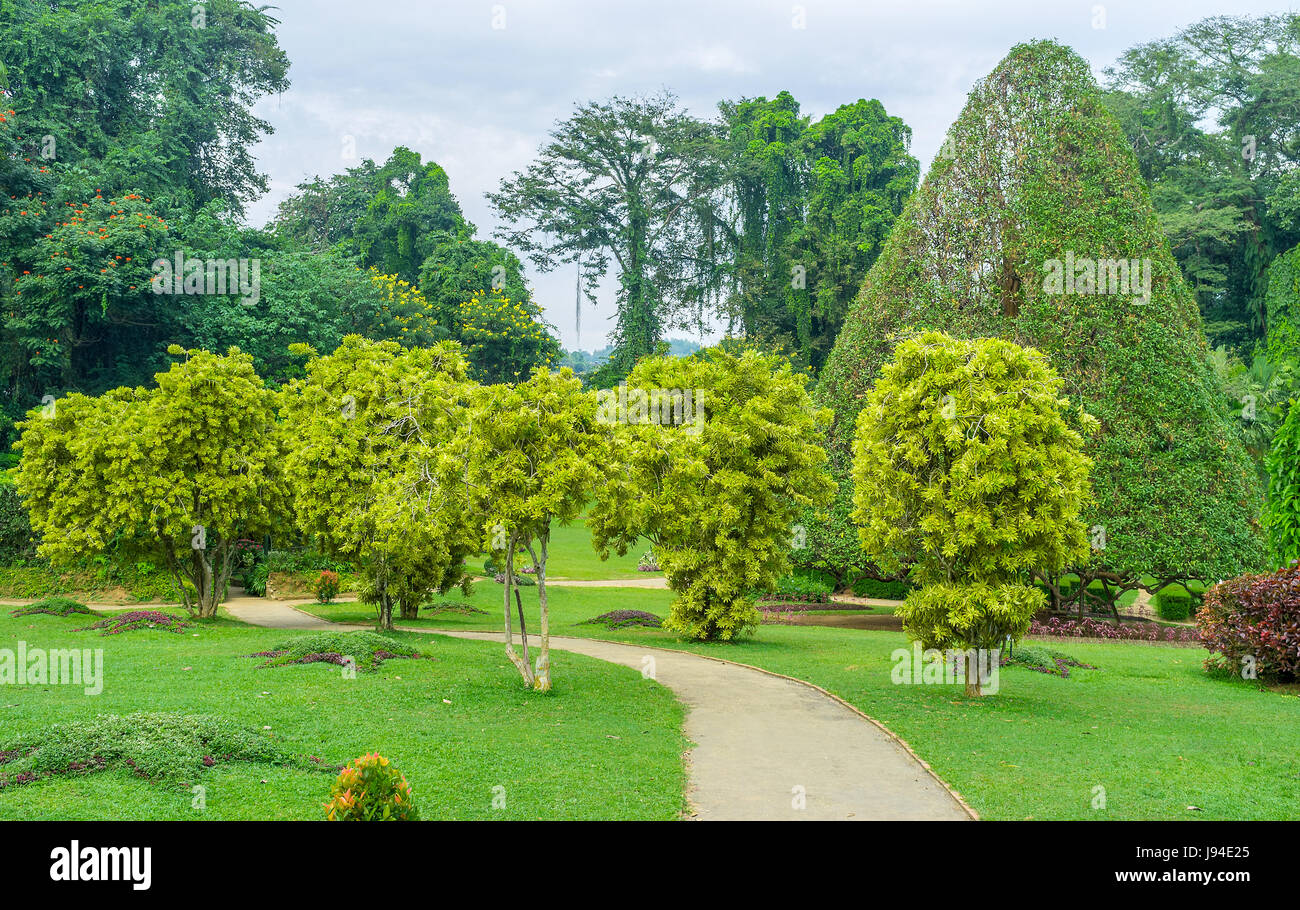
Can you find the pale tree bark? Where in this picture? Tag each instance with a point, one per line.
(543, 682)
(521, 664)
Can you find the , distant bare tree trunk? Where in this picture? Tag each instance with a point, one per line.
(521, 664)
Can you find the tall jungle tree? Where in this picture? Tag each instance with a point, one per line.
(813, 204)
(155, 95)
(1213, 115)
(635, 179)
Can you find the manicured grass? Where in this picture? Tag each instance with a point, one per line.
(1149, 726)
(570, 555)
(605, 744)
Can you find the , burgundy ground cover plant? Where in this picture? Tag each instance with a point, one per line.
(621, 619)
(1059, 627)
(133, 620)
(1254, 622)
(1053, 663)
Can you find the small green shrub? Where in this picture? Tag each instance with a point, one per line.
(806, 582)
(884, 590)
(1174, 604)
(371, 789)
(255, 580)
(54, 606)
(450, 606)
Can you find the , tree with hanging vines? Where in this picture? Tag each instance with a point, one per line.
(966, 468)
(376, 440)
(1282, 511)
(179, 473)
(813, 204)
(1019, 232)
(637, 180)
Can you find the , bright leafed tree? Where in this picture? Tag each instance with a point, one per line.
(376, 438)
(1036, 180)
(536, 455)
(714, 455)
(966, 468)
(179, 473)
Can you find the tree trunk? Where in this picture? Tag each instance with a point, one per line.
(208, 597)
(410, 609)
(973, 689)
(385, 609)
(543, 683)
(520, 664)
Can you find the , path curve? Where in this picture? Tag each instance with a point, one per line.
(763, 742)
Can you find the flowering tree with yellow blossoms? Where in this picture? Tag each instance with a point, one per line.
(504, 339)
(396, 311)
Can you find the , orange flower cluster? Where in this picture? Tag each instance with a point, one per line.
(89, 241)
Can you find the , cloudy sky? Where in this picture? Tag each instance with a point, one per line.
(477, 85)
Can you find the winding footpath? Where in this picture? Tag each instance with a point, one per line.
(766, 747)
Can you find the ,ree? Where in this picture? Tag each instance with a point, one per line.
(635, 179)
(536, 453)
(376, 439)
(965, 467)
(179, 473)
(1036, 175)
(716, 495)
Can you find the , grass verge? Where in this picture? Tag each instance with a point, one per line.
(604, 744)
(1150, 726)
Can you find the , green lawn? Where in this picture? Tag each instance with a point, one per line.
(605, 744)
(1149, 726)
(570, 555)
